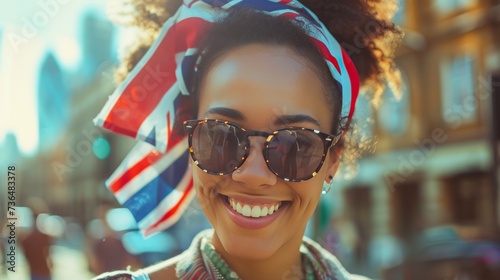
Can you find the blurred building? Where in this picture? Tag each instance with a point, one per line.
(70, 176)
(76, 170)
(83, 184)
(433, 163)
(53, 101)
(69, 171)
(97, 42)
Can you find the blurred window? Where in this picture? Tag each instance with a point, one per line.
(457, 84)
(447, 6)
(394, 113)
(406, 209)
(359, 210)
(469, 199)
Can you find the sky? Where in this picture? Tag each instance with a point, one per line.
(29, 28)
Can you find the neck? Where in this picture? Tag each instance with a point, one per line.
(284, 264)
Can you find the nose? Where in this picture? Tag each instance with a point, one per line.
(254, 171)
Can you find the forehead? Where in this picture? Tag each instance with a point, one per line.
(263, 82)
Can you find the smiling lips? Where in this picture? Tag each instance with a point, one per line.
(254, 211)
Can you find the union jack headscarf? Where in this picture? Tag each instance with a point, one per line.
(154, 181)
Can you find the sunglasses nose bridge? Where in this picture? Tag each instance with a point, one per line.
(249, 133)
(258, 135)
(258, 144)
(255, 170)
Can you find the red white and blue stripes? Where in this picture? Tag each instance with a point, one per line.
(154, 181)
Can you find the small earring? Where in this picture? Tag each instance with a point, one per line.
(238, 170)
(327, 186)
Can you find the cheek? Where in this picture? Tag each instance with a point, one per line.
(309, 192)
(207, 187)
(204, 186)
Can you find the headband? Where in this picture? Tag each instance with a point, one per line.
(154, 181)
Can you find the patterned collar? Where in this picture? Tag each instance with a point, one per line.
(201, 261)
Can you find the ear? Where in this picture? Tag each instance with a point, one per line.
(335, 155)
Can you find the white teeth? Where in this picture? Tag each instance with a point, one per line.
(246, 211)
(254, 211)
(264, 211)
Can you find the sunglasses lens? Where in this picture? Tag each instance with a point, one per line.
(218, 147)
(295, 154)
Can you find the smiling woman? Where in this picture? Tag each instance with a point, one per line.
(271, 95)
(252, 80)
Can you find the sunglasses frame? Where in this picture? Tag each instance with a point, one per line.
(329, 140)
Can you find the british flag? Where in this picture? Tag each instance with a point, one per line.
(154, 181)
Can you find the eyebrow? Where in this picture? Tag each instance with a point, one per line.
(226, 112)
(291, 119)
(280, 120)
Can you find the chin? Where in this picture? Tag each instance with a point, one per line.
(249, 248)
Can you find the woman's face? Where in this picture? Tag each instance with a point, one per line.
(265, 88)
